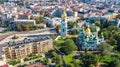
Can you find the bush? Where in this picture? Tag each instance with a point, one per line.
(13, 62)
(15, 37)
(45, 61)
(32, 56)
(74, 32)
(26, 27)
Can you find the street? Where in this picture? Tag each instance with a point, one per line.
(3, 36)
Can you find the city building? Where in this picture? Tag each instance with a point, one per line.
(5, 65)
(57, 21)
(116, 22)
(57, 12)
(21, 49)
(63, 26)
(16, 22)
(23, 21)
(23, 16)
(89, 40)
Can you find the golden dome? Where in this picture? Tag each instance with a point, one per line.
(88, 30)
(64, 15)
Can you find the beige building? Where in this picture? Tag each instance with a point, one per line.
(22, 50)
(112, 16)
(23, 21)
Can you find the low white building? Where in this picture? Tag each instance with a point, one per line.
(16, 22)
(57, 21)
(23, 21)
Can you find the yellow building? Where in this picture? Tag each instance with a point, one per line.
(112, 16)
(23, 50)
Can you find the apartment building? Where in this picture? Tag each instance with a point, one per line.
(16, 22)
(23, 21)
(16, 50)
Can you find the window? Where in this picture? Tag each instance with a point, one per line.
(63, 30)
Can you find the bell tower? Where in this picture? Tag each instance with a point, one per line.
(63, 27)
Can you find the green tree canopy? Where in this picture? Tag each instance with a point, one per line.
(97, 23)
(89, 59)
(39, 20)
(118, 16)
(57, 28)
(68, 46)
(115, 63)
(112, 36)
(104, 48)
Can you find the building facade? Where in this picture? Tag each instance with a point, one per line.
(63, 26)
(16, 50)
(89, 40)
(16, 22)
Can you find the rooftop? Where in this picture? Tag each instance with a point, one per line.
(23, 20)
(5, 65)
(26, 41)
(36, 65)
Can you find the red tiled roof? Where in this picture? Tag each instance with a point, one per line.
(4, 65)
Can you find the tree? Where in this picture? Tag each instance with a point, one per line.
(57, 28)
(27, 28)
(13, 62)
(86, 50)
(112, 36)
(104, 48)
(57, 59)
(45, 61)
(71, 24)
(54, 54)
(39, 20)
(19, 28)
(106, 34)
(114, 63)
(89, 59)
(97, 23)
(74, 32)
(26, 59)
(68, 46)
(70, 65)
(76, 63)
(59, 65)
(15, 37)
(118, 16)
(112, 41)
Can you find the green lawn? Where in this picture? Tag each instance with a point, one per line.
(68, 58)
(106, 59)
(61, 40)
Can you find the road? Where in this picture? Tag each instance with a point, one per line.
(3, 36)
